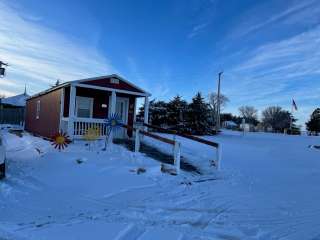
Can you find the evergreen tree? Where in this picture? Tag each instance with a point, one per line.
(313, 125)
(176, 112)
(158, 113)
(198, 115)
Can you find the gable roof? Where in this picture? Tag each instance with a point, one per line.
(112, 76)
(81, 81)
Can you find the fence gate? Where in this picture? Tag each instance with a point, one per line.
(12, 116)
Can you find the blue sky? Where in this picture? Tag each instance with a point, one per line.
(269, 50)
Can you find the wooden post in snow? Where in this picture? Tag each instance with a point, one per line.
(177, 156)
(218, 157)
(137, 141)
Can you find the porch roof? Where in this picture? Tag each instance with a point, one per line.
(80, 83)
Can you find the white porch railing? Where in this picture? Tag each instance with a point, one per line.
(81, 126)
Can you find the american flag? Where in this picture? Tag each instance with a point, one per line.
(294, 105)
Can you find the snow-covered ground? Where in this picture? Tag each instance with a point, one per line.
(268, 189)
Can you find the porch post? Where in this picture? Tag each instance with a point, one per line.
(113, 102)
(61, 108)
(72, 106)
(146, 111)
(112, 109)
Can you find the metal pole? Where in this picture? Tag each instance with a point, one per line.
(291, 116)
(218, 104)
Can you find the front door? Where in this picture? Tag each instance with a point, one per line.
(122, 105)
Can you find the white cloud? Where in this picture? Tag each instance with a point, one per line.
(39, 55)
(196, 30)
(298, 12)
(276, 72)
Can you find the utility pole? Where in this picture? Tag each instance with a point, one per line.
(218, 104)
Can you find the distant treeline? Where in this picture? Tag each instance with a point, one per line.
(199, 116)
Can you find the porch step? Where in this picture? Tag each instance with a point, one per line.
(154, 153)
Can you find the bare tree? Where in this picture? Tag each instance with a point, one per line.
(213, 104)
(249, 113)
(277, 118)
(213, 100)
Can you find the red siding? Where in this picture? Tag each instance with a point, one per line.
(105, 82)
(49, 118)
(48, 123)
(99, 97)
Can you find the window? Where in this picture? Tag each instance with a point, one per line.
(84, 107)
(38, 110)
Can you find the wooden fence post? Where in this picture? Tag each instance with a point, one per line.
(137, 141)
(2, 159)
(218, 157)
(177, 156)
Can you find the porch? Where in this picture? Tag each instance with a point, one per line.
(85, 106)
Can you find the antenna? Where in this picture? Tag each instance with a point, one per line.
(2, 69)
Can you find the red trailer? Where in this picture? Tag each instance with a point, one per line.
(75, 106)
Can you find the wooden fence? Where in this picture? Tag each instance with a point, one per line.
(176, 145)
(12, 116)
(215, 145)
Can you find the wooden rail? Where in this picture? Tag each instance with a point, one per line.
(176, 144)
(217, 163)
(197, 139)
(152, 135)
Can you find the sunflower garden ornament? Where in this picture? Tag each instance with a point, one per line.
(91, 135)
(113, 122)
(60, 141)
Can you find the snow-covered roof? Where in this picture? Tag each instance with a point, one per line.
(18, 100)
(230, 123)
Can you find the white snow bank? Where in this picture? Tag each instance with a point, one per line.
(269, 190)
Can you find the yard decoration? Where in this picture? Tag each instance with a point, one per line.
(60, 141)
(91, 135)
(113, 123)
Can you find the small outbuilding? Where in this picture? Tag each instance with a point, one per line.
(74, 107)
(12, 109)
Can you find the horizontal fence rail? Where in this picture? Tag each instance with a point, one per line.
(176, 145)
(217, 146)
(152, 135)
(194, 138)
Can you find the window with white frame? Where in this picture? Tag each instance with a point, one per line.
(84, 107)
(38, 110)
